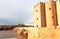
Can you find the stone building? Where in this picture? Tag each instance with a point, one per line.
(46, 21)
(46, 14)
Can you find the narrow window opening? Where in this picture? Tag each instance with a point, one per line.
(37, 18)
(37, 25)
(36, 10)
(49, 8)
(52, 16)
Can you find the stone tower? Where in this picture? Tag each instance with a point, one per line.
(39, 15)
(46, 20)
(58, 11)
(45, 14)
(51, 13)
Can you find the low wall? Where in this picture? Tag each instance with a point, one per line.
(38, 33)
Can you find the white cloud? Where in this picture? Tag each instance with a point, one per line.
(17, 11)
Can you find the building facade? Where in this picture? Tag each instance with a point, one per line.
(47, 14)
(46, 22)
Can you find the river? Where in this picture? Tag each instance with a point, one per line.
(8, 34)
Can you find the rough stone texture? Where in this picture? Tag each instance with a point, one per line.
(52, 28)
(32, 32)
(39, 33)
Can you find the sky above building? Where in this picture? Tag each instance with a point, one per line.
(17, 11)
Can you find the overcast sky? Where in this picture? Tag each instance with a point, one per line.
(17, 11)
